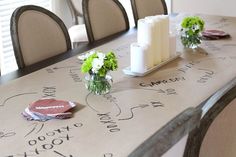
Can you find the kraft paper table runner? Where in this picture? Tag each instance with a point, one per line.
(117, 123)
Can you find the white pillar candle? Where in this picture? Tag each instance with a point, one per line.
(139, 57)
(157, 44)
(146, 36)
(165, 37)
(172, 39)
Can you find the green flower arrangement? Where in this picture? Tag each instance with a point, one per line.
(97, 65)
(191, 28)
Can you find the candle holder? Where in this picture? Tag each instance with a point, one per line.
(128, 71)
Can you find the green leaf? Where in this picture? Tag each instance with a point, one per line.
(110, 63)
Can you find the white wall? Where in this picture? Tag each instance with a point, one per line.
(168, 4)
(127, 5)
(1, 51)
(213, 7)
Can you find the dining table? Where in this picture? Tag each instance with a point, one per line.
(140, 114)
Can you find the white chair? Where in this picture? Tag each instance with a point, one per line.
(104, 18)
(77, 32)
(37, 34)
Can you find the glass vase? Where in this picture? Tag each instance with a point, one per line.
(97, 84)
(191, 41)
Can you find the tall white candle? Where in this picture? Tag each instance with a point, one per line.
(146, 33)
(172, 39)
(165, 37)
(139, 57)
(157, 44)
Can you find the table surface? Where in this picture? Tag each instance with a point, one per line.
(117, 123)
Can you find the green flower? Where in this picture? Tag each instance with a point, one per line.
(111, 61)
(98, 63)
(87, 65)
(190, 32)
(193, 23)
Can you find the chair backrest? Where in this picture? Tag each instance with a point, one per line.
(104, 18)
(37, 34)
(220, 138)
(215, 137)
(143, 8)
(76, 11)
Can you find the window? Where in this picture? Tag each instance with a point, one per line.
(7, 61)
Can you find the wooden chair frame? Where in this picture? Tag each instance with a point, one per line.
(169, 135)
(74, 12)
(220, 100)
(135, 11)
(88, 23)
(14, 30)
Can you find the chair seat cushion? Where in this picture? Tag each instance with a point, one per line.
(78, 33)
